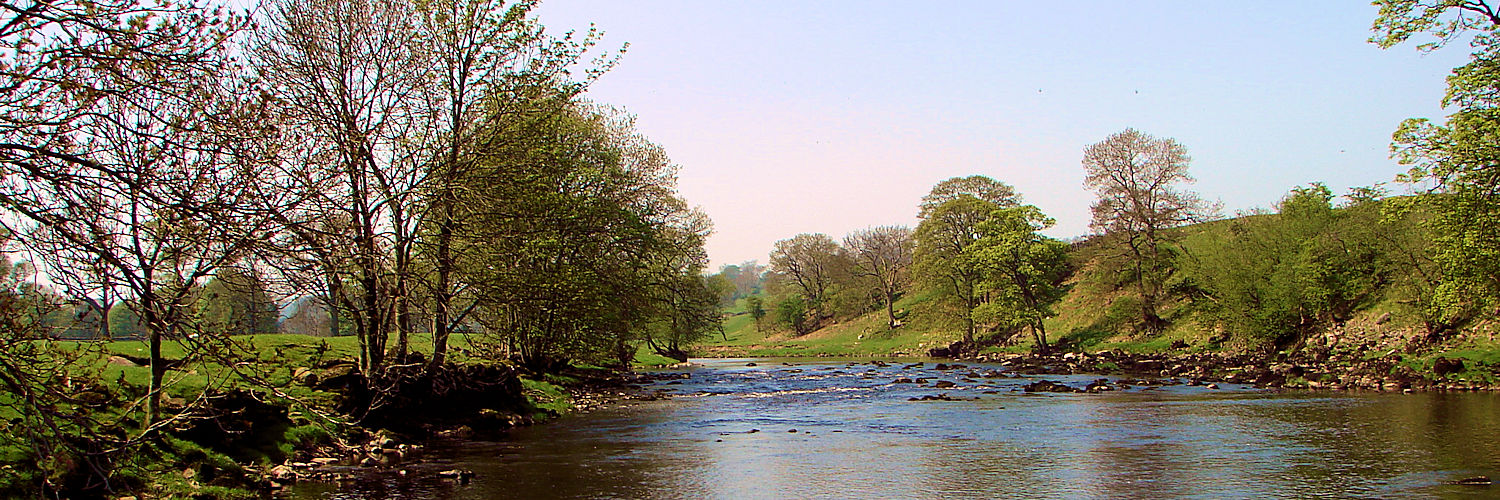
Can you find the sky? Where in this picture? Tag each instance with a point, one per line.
(825, 116)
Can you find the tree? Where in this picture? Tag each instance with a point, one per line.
(1023, 270)
(492, 62)
(757, 309)
(576, 238)
(689, 312)
(236, 301)
(1138, 181)
(1460, 156)
(976, 186)
(883, 254)
(748, 278)
(811, 262)
(722, 288)
(1278, 277)
(951, 215)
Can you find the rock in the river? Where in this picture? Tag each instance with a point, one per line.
(1048, 386)
(943, 384)
(461, 475)
(282, 473)
(750, 364)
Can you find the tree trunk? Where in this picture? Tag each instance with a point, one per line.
(152, 319)
(1039, 331)
(158, 372)
(403, 317)
(442, 299)
(335, 323)
(890, 310)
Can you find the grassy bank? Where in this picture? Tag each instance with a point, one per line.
(262, 403)
(1099, 311)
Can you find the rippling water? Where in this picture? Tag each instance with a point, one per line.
(728, 432)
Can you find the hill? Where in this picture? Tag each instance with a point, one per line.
(1373, 312)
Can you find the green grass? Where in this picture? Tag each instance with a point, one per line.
(865, 335)
(547, 397)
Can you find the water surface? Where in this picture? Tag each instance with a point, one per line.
(844, 429)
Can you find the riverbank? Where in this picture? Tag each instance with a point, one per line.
(279, 409)
(398, 444)
(1370, 352)
(1392, 372)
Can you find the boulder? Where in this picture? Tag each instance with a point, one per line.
(461, 475)
(282, 473)
(121, 361)
(1048, 386)
(1447, 366)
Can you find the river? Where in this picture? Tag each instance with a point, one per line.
(800, 428)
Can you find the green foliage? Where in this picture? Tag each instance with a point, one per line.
(756, 307)
(1461, 156)
(1023, 270)
(237, 302)
(816, 267)
(791, 312)
(1277, 278)
(576, 242)
(940, 259)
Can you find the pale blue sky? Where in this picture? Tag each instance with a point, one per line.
(829, 116)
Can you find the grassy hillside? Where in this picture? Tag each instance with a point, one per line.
(1096, 315)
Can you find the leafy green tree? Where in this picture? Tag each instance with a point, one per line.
(757, 309)
(1279, 277)
(236, 301)
(575, 239)
(1460, 155)
(722, 287)
(950, 218)
(689, 312)
(973, 186)
(1023, 270)
(791, 312)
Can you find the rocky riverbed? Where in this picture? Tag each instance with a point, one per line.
(1319, 369)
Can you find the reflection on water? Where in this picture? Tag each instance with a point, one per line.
(729, 433)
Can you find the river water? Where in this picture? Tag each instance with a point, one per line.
(789, 428)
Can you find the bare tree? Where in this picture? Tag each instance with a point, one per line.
(1139, 179)
(883, 254)
(812, 262)
(354, 84)
(162, 206)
